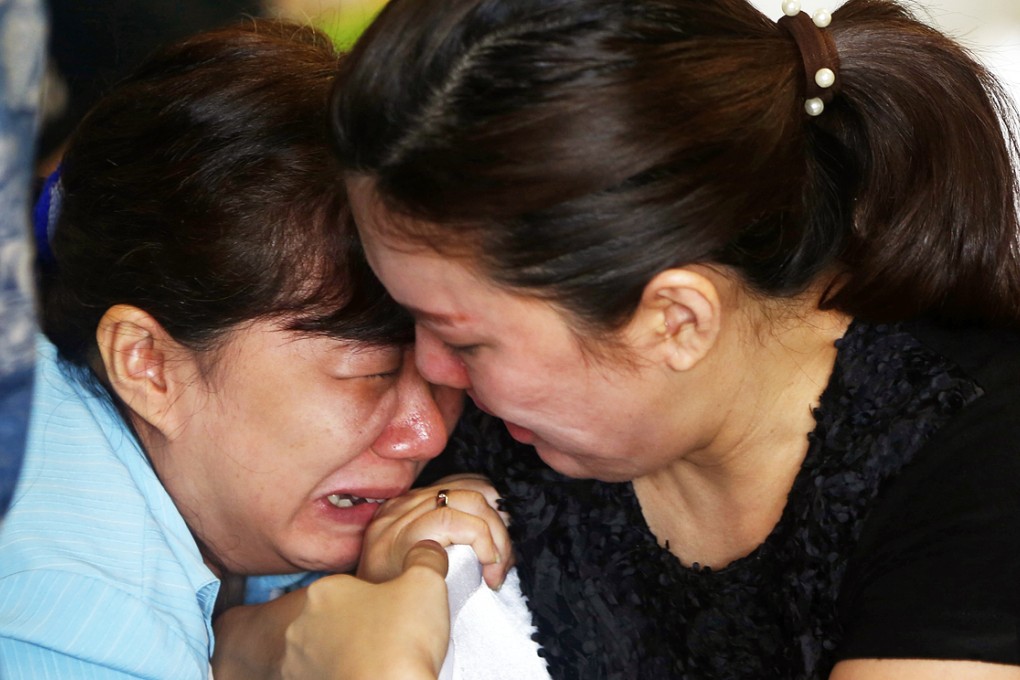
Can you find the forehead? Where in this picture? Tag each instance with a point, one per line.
(411, 269)
(441, 288)
(434, 288)
(377, 218)
(361, 190)
(373, 218)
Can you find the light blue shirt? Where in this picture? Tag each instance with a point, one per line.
(99, 575)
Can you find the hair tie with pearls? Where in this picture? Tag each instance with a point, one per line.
(817, 50)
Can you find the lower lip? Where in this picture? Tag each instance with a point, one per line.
(360, 514)
(521, 434)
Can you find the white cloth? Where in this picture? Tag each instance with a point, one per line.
(490, 631)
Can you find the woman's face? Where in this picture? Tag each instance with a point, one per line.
(290, 442)
(518, 359)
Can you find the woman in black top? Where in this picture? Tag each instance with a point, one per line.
(737, 284)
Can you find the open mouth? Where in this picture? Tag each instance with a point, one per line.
(346, 500)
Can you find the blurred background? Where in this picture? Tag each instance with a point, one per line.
(94, 42)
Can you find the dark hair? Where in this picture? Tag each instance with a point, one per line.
(581, 146)
(202, 190)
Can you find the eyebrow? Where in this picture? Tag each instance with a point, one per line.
(433, 317)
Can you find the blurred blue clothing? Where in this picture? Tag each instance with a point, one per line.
(100, 577)
(22, 58)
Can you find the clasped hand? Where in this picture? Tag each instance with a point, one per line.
(470, 518)
(393, 620)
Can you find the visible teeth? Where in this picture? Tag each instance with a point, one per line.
(343, 500)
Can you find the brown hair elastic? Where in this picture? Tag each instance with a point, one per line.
(818, 52)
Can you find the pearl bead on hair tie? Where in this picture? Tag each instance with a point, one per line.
(824, 77)
(822, 18)
(814, 106)
(818, 53)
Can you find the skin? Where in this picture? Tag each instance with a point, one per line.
(519, 358)
(250, 441)
(399, 610)
(469, 518)
(384, 623)
(302, 634)
(728, 380)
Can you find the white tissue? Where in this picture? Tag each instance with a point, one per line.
(490, 631)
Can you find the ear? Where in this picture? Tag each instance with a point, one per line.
(136, 353)
(679, 317)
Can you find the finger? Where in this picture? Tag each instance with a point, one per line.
(474, 482)
(452, 527)
(429, 554)
(491, 495)
(411, 505)
(385, 552)
(469, 501)
(478, 504)
(495, 574)
(492, 499)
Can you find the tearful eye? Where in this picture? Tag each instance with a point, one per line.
(463, 350)
(385, 375)
(369, 373)
(361, 361)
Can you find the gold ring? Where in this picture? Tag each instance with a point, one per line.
(442, 499)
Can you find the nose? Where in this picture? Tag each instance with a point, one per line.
(423, 420)
(438, 363)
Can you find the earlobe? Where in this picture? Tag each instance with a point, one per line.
(684, 308)
(134, 347)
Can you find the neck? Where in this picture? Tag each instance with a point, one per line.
(722, 501)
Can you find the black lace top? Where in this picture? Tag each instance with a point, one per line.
(609, 602)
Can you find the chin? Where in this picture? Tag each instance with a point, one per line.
(335, 561)
(577, 467)
(564, 464)
(332, 566)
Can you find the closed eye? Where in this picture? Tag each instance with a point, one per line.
(462, 350)
(385, 375)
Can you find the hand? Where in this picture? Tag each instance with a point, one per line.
(469, 518)
(353, 630)
(250, 638)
